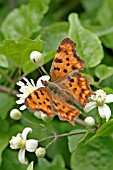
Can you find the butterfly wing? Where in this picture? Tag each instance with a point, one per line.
(65, 61)
(40, 100)
(78, 87)
(64, 110)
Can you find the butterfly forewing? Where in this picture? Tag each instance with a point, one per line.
(78, 86)
(40, 100)
(65, 61)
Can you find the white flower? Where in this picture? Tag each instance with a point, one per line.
(20, 142)
(98, 100)
(90, 121)
(28, 87)
(37, 58)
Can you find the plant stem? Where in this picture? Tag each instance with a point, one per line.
(40, 125)
(42, 68)
(8, 90)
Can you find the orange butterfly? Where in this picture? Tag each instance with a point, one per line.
(65, 88)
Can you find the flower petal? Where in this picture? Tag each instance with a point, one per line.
(23, 107)
(39, 82)
(31, 145)
(20, 83)
(109, 98)
(21, 156)
(89, 106)
(25, 132)
(104, 112)
(20, 101)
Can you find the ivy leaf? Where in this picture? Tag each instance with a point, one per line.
(92, 156)
(23, 22)
(103, 71)
(88, 45)
(19, 52)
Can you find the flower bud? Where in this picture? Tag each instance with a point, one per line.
(38, 114)
(46, 118)
(37, 58)
(15, 114)
(40, 152)
(31, 145)
(89, 121)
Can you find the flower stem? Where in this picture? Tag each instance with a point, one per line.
(42, 68)
(55, 136)
(40, 125)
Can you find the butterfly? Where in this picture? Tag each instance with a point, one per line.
(66, 87)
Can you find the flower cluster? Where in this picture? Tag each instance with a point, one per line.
(20, 142)
(99, 100)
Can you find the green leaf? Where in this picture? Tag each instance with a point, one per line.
(23, 22)
(105, 130)
(97, 154)
(108, 90)
(3, 143)
(52, 35)
(6, 103)
(10, 161)
(3, 61)
(58, 163)
(91, 5)
(19, 52)
(103, 71)
(75, 140)
(91, 79)
(30, 167)
(106, 22)
(88, 45)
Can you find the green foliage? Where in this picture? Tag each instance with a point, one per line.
(37, 25)
(105, 130)
(58, 163)
(106, 21)
(23, 22)
(88, 45)
(103, 72)
(5, 99)
(94, 155)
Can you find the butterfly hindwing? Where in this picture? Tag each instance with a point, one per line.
(78, 86)
(40, 100)
(64, 110)
(65, 61)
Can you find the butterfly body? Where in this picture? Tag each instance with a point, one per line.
(66, 86)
